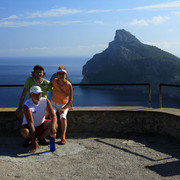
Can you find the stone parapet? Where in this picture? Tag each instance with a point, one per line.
(162, 121)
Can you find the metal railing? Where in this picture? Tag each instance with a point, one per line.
(118, 84)
(160, 91)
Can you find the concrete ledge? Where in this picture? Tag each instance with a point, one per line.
(164, 121)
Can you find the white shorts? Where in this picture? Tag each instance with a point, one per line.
(57, 108)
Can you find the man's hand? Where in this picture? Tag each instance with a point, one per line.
(53, 132)
(34, 147)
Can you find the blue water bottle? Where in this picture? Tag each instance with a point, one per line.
(52, 144)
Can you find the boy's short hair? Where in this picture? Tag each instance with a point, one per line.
(38, 67)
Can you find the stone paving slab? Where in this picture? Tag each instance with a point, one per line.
(92, 156)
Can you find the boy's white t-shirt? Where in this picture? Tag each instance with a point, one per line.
(38, 111)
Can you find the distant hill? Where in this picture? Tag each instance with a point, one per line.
(127, 60)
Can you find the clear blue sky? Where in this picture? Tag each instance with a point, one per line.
(85, 27)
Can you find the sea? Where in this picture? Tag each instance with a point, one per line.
(15, 71)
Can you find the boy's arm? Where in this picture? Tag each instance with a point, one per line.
(23, 95)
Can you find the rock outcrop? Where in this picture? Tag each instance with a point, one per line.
(127, 60)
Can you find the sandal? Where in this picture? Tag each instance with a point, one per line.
(63, 141)
(26, 143)
(42, 142)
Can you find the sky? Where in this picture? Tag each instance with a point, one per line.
(84, 27)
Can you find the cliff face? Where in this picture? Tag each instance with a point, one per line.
(127, 60)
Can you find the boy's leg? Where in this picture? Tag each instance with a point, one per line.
(63, 127)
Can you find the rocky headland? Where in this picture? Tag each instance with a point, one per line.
(127, 60)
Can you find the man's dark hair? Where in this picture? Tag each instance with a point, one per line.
(38, 67)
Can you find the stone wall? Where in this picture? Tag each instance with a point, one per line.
(124, 122)
(8, 121)
(107, 121)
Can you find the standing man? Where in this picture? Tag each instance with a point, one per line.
(34, 123)
(37, 79)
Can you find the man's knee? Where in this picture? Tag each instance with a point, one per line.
(24, 132)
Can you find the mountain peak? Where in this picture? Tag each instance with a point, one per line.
(128, 60)
(122, 36)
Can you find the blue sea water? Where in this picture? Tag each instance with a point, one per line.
(17, 70)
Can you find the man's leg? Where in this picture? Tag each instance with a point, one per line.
(46, 130)
(25, 134)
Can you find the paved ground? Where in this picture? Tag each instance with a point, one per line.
(110, 156)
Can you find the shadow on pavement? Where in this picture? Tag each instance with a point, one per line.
(165, 145)
(11, 146)
(166, 169)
